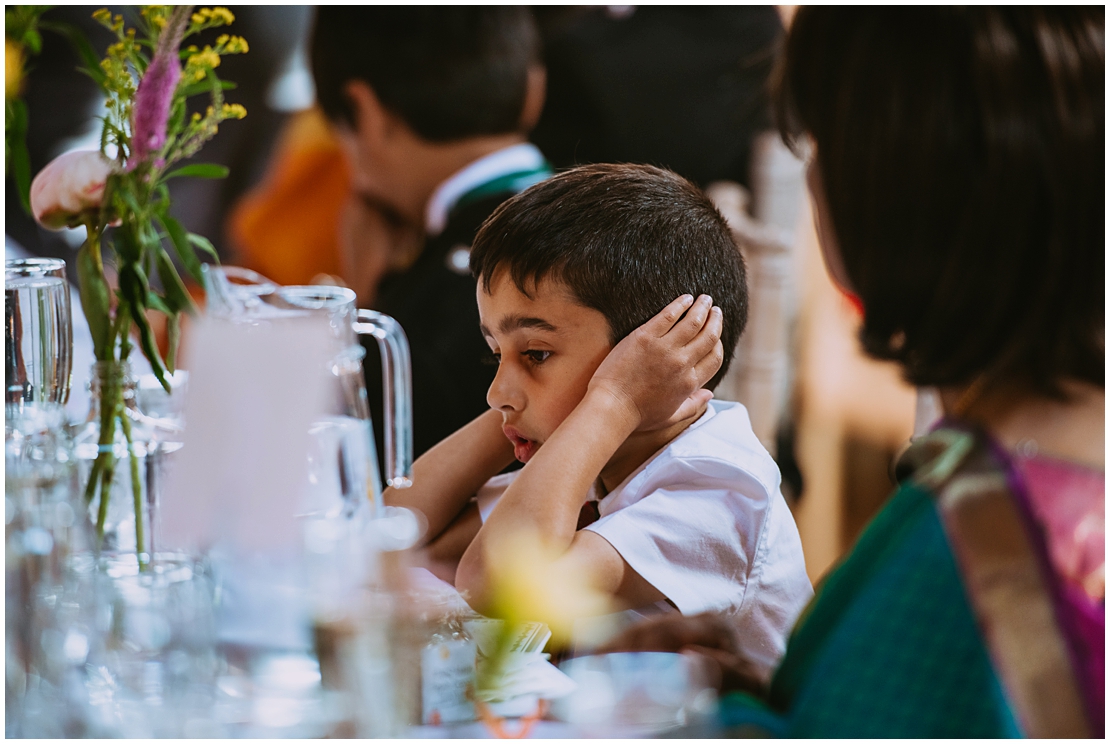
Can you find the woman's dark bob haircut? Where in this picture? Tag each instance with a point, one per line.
(962, 152)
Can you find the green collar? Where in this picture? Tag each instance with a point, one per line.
(514, 182)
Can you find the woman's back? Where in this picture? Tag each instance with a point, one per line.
(956, 613)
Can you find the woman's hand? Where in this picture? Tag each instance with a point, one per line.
(656, 373)
(708, 635)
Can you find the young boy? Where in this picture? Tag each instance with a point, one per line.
(606, 400)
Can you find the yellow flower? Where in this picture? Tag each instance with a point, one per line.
(13, 69)
(213, 17)
(234, 111)
(222, 15)
(532, 584)
(207, 58)
(232, 44)
(156, 14)
(103, 16)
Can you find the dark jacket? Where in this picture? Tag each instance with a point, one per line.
(434, 301)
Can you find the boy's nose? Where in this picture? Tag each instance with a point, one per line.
(503, 395)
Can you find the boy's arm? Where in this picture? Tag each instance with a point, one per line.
(446, 477)
(651, 379)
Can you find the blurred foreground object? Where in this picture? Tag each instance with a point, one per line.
(978, 260)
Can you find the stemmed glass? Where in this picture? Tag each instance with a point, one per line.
(38, 331)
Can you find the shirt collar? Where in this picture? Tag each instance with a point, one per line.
(520, 157)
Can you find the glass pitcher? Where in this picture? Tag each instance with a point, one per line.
(350, 409)
(242, 295)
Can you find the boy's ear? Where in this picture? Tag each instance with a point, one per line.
(371, 118)
(534, 94)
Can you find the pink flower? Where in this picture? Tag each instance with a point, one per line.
(154, 97)
(151, 111)
(69, 188)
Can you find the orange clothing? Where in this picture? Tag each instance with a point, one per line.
(287, 227)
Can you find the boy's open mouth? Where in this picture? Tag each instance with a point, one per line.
(523, 447)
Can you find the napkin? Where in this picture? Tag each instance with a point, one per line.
(525, 675)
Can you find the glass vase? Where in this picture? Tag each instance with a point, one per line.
(151, 671)
(122, 457)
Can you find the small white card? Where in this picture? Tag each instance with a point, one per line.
(447, 681)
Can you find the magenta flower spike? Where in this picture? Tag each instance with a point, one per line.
(150, 112)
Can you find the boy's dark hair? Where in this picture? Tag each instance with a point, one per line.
(961, 151)
(626, 239)
(449, 72)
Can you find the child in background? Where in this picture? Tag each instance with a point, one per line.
(431, 106)
(602, 390)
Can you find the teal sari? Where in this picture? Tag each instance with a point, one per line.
(941, 622)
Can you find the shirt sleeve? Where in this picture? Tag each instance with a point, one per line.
(705, 542)
(490, 493)
(694, 535)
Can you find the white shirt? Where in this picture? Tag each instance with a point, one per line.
(522, 157)
(704, 522)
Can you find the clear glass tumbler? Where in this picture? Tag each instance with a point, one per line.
(38, 331)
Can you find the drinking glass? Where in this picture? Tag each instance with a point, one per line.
(43, 530)
(38, 331)
(637, 694)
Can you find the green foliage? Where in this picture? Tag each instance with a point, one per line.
(21, 25)
(21, 37)
(200, 170)
(132, 227)
(17, 160)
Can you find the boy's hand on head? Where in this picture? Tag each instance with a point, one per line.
(656, 373)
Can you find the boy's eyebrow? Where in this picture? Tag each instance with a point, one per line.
(515, 322)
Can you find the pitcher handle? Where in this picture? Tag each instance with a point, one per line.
(397, 393)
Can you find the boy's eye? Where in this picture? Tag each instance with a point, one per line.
(492, 359)
(537, 356)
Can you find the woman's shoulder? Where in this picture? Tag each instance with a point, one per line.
(1068, 500)
(1003, 546)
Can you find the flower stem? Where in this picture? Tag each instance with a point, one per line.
(105, 456)
(136, 490)
(105, 491)
(92, 236)
(94, 476)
